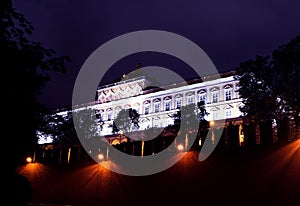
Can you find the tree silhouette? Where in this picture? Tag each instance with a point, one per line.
(126, 120)
(255, 81)
(134, 117)
(192, 116)
(269, 86)
(100, 119)
(27, 66)
(286, 66)
(115, 129)
(192, 119)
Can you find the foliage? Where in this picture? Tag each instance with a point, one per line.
(126, 120)
(100, 119)
(27, 65)
(255, 82)
(270, 85)
(192, 116)
(286, 72)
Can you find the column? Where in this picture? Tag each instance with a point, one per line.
(173, 106)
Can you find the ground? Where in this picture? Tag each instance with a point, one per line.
(263, 175)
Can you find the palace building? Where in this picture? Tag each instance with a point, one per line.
(157, 105)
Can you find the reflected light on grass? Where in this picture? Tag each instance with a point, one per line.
(98, 176)
(33, 171)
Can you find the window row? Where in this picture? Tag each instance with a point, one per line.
(167, 103)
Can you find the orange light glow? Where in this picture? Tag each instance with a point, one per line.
(29, 159)
(100, 157)
(212, 123)
(180, 147)
(115, 142)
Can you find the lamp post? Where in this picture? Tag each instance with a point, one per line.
(212, 123)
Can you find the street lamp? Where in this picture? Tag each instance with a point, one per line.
(100, 157)
(28, 159)
(180, 147)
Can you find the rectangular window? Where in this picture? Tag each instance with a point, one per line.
(190, 100)
(147, 109)
(228, 95)
(202, 98)
(156, 107)
(228, 113)
(108, 116)
(178, 103)
(215, 97)
(167, 106)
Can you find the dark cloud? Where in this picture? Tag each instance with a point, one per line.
(228, 31)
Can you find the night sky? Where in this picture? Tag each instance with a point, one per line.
(229, 32)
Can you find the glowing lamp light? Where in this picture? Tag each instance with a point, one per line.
(100, 157)
(212, 123)
(29, 159)
(180, 147)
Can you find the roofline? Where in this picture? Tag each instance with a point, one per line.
(147, 91)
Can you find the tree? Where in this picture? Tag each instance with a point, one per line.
(134, 117)
(192, 117)
(286, 66)
(27, 65)
(269, 86)
(61, 129)
(100, 119)
(115, 129)
(87, 125)
(126, 120)
(202, 113)
(255, 82)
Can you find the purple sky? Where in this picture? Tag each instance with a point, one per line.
(230, 32)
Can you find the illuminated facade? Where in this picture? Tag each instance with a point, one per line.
(156, 106)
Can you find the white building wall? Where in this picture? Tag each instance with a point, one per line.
(136, 100)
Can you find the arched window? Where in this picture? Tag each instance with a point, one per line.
(190, 98)
(157, 105)
(178, 102)
(109, 114)
(228, 92)
(167, 104)
(215, 95)
(146, 107)
(202, 96)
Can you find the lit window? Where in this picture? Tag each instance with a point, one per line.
(147, 108)
(215, 97)
(167, 105)
(228, 113)
(156, 107)
(108, 115)
(178, 103)
(202, 98)
(228, 95)
(190, 100)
